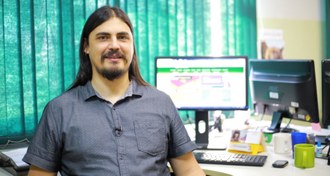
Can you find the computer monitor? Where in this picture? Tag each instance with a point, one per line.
(284, 89)
(325, 93)
(202, 84)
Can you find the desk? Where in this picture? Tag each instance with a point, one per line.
(4, 173)
(320, 169)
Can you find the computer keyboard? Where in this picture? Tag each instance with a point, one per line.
(227, 158)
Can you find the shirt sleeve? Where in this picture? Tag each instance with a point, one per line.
(180, 142)
(44, 149)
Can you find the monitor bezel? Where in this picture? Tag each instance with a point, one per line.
(325, 69)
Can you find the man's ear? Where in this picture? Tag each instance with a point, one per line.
(86, 46)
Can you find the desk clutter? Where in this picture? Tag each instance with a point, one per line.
(246, 141)
(302, 146)
(242, 149)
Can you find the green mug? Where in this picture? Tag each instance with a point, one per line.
(304, 155)
(268, 135)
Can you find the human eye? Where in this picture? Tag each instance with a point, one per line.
(123, 36)
(102, 37)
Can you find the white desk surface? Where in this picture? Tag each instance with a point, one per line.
(320, 169)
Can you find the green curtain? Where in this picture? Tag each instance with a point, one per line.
(240, 27)
(40, 41)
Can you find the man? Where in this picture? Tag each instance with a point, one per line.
(110, 122)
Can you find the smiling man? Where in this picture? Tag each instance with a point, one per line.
(110, 121)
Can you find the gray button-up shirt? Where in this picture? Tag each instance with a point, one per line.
(82, 134)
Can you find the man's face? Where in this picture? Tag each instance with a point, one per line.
(110, 49)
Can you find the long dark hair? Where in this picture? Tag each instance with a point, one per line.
(95, 19)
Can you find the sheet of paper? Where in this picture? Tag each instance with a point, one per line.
(253, 137)
(240, 147)
(316, 126)
(17, 155)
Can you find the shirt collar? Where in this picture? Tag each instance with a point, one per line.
(133, 90)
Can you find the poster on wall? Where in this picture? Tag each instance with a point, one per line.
(271, 44)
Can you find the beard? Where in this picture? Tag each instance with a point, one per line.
(110, 74)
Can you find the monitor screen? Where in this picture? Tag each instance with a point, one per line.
(204, 83)
(284, 88)
(325, 93)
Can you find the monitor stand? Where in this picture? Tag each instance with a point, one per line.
(202, 128)
(202, 133)
(275, 125)
(276, 122)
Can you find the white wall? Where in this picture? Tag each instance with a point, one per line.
(291, 9)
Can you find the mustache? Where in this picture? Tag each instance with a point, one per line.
(113, 53)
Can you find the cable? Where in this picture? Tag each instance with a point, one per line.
(264, 111)
(287, 126)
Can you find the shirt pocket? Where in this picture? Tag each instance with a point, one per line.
(150, 136)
